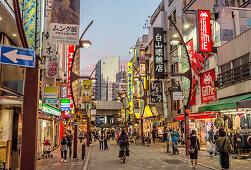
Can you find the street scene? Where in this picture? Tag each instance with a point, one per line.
(119, 85)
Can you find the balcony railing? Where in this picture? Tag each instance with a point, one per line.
(235, 75)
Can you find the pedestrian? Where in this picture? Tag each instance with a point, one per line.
(224, 147)
(164, 137)
(210, 143)
(63, 148)
(105, 142)
(153, 135)
(174, 136)
(194, 148)
(81, 136)
(101, 140)
(69, 144)
(90, 137)
(216, 138)
(168, 140)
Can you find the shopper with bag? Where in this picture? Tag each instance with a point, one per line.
(225, 147)
(210, 144)
(194, 148)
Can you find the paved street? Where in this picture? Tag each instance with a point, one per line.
(141, 157)
(56, 164)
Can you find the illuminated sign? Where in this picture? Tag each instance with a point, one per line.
(130, 87)
(208, 93)
(158, 46)
(65, 104)
(63, 90)
(70, 57)
(51, 110)
(204, 31)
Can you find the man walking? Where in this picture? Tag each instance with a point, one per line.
(175, 135)
(69, 144)
(101, 140)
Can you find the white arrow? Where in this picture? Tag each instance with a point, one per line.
(13, 56)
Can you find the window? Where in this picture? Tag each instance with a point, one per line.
(173, 17)
(174, 68)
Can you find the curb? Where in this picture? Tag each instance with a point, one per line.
(184, 159)
(87, 158)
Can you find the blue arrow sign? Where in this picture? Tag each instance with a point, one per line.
(17, 56)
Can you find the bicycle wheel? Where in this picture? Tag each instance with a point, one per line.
(124, 158)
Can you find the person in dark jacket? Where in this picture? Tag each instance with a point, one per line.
(194, 148)
(69, 144)
(63, 148)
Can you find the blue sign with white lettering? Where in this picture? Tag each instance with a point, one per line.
(17, 56)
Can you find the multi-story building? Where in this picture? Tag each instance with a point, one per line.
(107, 69)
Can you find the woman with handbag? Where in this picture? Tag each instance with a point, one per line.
(194, 148)
(225, 147)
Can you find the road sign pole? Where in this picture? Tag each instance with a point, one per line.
(88, 132)
(75, 150)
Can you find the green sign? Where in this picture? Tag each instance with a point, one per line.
(51, 110)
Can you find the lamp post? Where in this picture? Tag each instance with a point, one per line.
(74, 77)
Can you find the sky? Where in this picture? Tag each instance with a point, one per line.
(117, 26)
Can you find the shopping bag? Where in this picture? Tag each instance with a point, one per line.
(219, 160)
(210, 147)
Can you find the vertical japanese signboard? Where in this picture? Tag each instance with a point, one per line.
(156, 92)
(130, 86)
(208, 92)
(158, 47)
(142, 56)
(70, 56)
(204, 31)
(87, 91)
(177, 94)
(49, 49)
(63, 90)
(64, 26)
(51, 67)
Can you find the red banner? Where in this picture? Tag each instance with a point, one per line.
(70, 56)
(189, 46)
(208, 93)
(204, 31)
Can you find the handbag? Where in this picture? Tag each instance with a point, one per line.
(192, 150)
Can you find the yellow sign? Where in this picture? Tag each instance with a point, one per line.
(123, 113)
(87, 91)
(130, 86)
(69, 121)
(78, 117)
(148, 112)
(154, 111)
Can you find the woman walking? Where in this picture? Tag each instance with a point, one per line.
(63, 148)
(224, 147)
(194, 148)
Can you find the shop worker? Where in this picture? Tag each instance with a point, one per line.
(175, 135)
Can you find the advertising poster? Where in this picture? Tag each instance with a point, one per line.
(64, 26)
(51, 67)
(71, 49)
(177, 94)
(50, 95)
(86, 91)
(93, 114)
(208, 93)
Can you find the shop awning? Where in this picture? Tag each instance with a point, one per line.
(198, 116)
(224, 104)
(41, 116)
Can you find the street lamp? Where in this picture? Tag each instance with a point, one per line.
(85, 44)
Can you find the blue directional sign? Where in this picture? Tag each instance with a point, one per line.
(17, 56)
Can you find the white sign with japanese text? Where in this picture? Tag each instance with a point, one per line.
(51, 67)
(67, 34)
(49, 49)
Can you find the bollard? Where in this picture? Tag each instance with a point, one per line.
(83, 151)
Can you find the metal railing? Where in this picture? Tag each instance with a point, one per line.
(234, 75)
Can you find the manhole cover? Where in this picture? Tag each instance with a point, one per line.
(175, 161)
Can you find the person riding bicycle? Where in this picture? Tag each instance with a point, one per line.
(123, 141)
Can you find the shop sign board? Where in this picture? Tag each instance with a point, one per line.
(204, 31)
(130, 87)
(49, 49)
(51, 110)
(93, 114)
(177, 94)
(78, 117)
(86, 91)
(158, 46)
(70, 57)
(17, 56)
(156, 92)
(51, 67)
(50, 95)
(123, 113)
(63, 90)
(142, 56)
(64, 26)
(154, 111)
(208, 92)
(65, 104)
(142, 69)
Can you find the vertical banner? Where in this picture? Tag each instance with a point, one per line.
(122, 113)
(51, 67)
(177, 94)
(204, 31)
(93, 114)
(64, 26)
(130, 86)
(158, 46)
(142, 56)
(63, 90)
(49, 49)
(70, 56)
(208, 92)
(156, 92)
(189, 46)
(86, 91)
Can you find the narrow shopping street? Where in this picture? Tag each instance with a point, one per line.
(141, 157)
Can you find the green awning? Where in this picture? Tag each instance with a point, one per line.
(229, 103)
